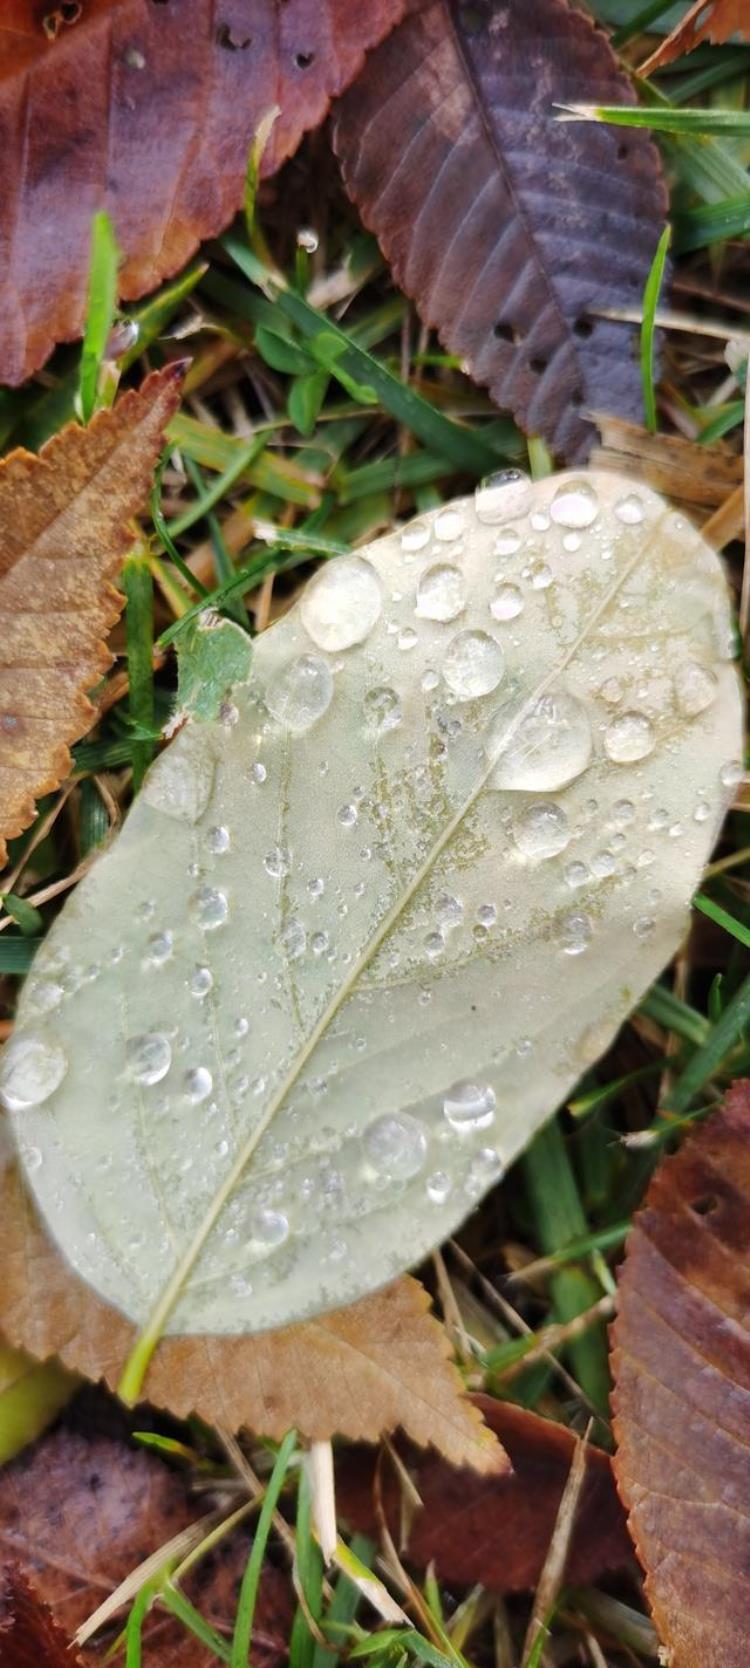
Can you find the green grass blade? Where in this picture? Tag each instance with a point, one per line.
(309, 1565)
(698, 228)
(722, 918)
(134, 1627)
(243, 1626)
(17, 954)
(100, 312)
(212, 495)
(734, 124)
(709, 1059)
(175, 1602)
(138, 586)
(672, 1014)
(651, 295)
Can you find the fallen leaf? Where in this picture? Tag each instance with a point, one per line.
(510, 229)
(63, 534)
(358, 1372)
(31, 1395)
(495, 1531)
(701, 477)
(149, 112)
(78, 1515)
(315, 1037)
(29, 1634)
(681, 1363)
(714, 21)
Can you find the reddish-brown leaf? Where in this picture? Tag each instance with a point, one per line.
(64, 531)
(681, 1360)
(78, 1515)
(708, 20)
(29, 1634)
(147, 110)
(497, 1530)
(510, 229)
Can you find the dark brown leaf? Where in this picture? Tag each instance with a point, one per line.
(707, 20)
(681, 1360)
(29, 1634)
(77, 1516)
(147, 110)
(510, 229)
(497, 1530)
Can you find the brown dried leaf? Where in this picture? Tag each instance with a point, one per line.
(683, 470)
(509, 228)
(148, 111)
(715, 21)
(29, 1634)
(63, 534)
(681, 1362)
(496, 1530)
(78, 1515)
(358, 1372)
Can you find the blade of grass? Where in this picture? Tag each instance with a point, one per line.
(243, 1626)
(17, 954)
(178, 1606)
(211, 495)
(733, 123)
(308, 1565)
(709, 1059)
(698, 228)
(722, 918)
(224, 567)
(672, 1014)
(138, 586)
(651, 296)
(100, 312)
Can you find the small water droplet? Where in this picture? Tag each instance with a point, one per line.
(277, 862)
(571, 542)
(415, 536)
(201, 982)
(396, 1146)
(441, 593)
(300, 692)
(159, 948)
(630, 509)
(449, 911)
(629, 738)
(473, 664)
(179, 783)
(383, 710)
(507, 603)
(219, 841)
(148, 1057)
(307, 239)
(211, 908)
(469, 1105)
(268, 1228)
(575, 875)
(430, 680)
(258, 773)
(348, 815)
(502, 495)
(407, 638)
(341, 604)
(434, 944)
(644, 926)
(623, 813)
(702, 811)
(542, 830)
(198, 1084)
(293, 939)
(32, 1068)
(575, 505)
(539, 520)
(319, 943)
(575, 934)
(541, 576)
(438, 1187)
(548, 747)
(487, 915)
(448, 525)
(508, 541)
(731, 774)
(695, 688)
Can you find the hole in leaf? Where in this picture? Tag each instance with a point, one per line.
(705, 1206)
(230, 42)
(303, 60)
(576, 398)
(504, 332)
(623, 150)
(583, 328)
(538, 363)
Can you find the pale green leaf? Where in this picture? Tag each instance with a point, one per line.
(373, 923)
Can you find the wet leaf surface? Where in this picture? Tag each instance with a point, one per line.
(681, 1362)
(511, 230)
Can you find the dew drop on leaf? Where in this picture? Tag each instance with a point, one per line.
(473, 664)
(341, 604)
(441, 593)
(198, 1084)
(575, 505)
(575, 934)
(396, 1146)
(468, 1106)
(542, 830)
(695, 688)
(630, 509)
(211, 908)
(503, 495)
(383, 710)
(629, 738)
(300, 693)
(32, 1069)
(549, 747)
(507, 603)
(148, 1057)
(448, 525)
(179, 783)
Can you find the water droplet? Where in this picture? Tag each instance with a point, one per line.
(319, 943)
(575, 934)
(277, 862)
(148, 1057)
(179, 783)
(539, 520)
(731, 774)
(548, 747)
(300, 692)
(341, 604)
(575, 875)
(32, 1068)
(448, 526)
(473, 664)
(438, 1187)
(32, 1159)
(695, 688)
(198, 1084)
(441, 593)
(623, 813)
(415, 536)
(293, 939)
(644, 926)
(603, 863)
(219, 841)
(507, 603)
(469, 1105)
(407, 638)
(211, 908)
(449, 911)
(268, 1228)
(487, 915)
(630, 509)
(159, 948)
(508, 541)
(396, 1146)
(575, 505)
(307, 239)
(229, 714)
(504, 494)
(542, 576)
(542, 830)
(430, 680)
(702, 811)
(571, 542)
(348, 815)
(201, 982)
(383, 710)
(258, 773)
(629, 738)
(434, 944)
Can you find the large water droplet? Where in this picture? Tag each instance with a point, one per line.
(469, 1105)
(473, 664)
(396, 1146)
(148, 1057)
(629, 738)
(546, 749)
(448, 526)
(341, 604)
(268, 1229)
(32, 1068)
(179, 783)
(695, 688)
(211, 908)
(300, 692)
(575, 505)
(507, 603)
(441, 593)
(542, 830)
(383, 709)
(503, 495)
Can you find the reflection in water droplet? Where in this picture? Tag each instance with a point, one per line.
(575, 934)
(201, 982)
(507, 493)
(148, 1057)
(300, 692)
(441, 593)
(695, 688)
(383, 709)
(32, 1068)
(341, 604)
(198, 1084)
(542, 830)
(545, 749)
(630, 509)
(415, 536)
(644, 926)
(448, 526)
(211, 908)
(396, 1146)
(575, 505)
(473, 664)
(507, 603)
(629, 738)
(469, 1105)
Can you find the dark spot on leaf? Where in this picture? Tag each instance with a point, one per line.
(506, 332)
(538, 363)
(704, 1206)
(303, 60)
(583, 328)
(230, 42)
